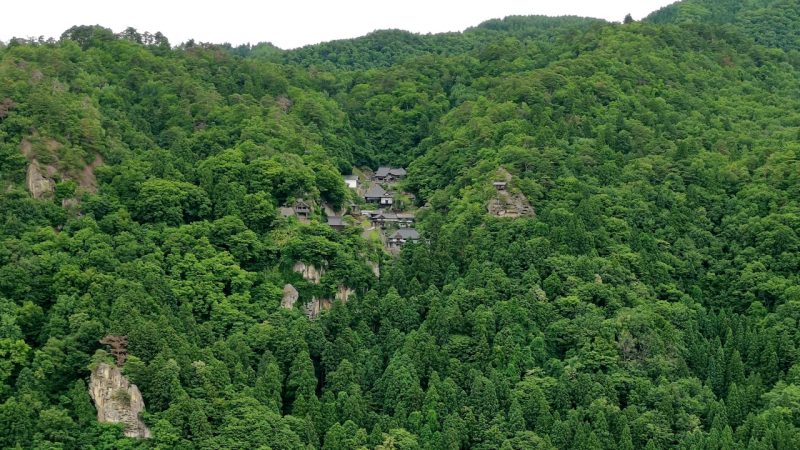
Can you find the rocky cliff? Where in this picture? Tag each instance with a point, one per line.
(309, 272)
(117, 400)
(315, 307)
(39, 185)
(375, 267)
(343, 293)
(290, 296)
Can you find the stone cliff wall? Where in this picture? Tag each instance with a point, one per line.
(39, 185)
(117, 400)
(343, 293)
(290, 296)
(375, 267)
(309, 272)
(315, 307)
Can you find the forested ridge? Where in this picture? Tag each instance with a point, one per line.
(650, 302)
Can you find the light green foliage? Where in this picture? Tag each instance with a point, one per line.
(170, 202)
(650, 300)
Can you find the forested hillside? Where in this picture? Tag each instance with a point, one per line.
(648, 298)
(772, 23)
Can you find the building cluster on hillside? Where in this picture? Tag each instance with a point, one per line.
(373, 191)
(389, 218)
(394, 224)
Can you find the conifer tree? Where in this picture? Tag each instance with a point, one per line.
(625, 439)
(516, 421)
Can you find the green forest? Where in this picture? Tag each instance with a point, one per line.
(651, 300)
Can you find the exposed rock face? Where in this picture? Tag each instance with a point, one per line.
(510, 205)
(70, 202)
(376, 269)
(38, 185)
(506, 203)
(290, 296)
(87, 181)
(343, 293)
(329, 210)
(117, 400)
(308, 271)
(316, 306)
(283, 103)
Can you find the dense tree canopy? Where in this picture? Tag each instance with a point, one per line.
(652, 301)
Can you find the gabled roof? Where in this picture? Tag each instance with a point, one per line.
(408, 234)
(375, 191)
(405, 216)
(385, 171)
(388, 216)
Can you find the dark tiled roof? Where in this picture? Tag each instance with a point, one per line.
(375, 191)
(385, 171)
(407, 234)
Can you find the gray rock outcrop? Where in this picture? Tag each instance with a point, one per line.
(38, 185)
(117, 400)
(343, 293)
(309, 272)
(316, 306)
(507, 202)
(290, 296)
(376, 268)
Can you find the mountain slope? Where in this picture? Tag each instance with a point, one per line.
(385, 48)
(609, 215)
(773, 23)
